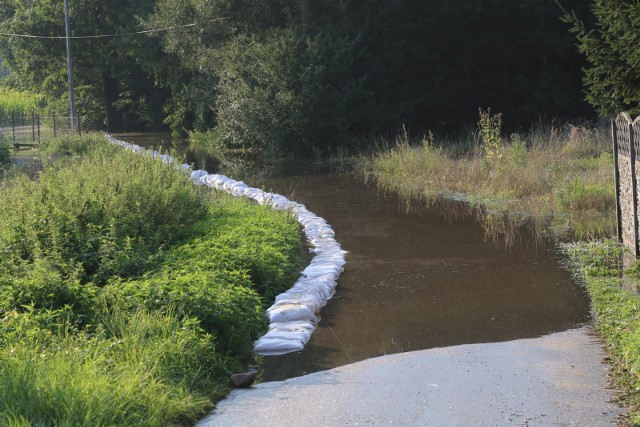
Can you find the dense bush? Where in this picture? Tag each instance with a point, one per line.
(107, 213)
(286, 92)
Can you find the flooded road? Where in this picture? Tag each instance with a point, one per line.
(416, 281)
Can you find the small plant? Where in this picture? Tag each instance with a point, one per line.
(6, 153)
(490, 128)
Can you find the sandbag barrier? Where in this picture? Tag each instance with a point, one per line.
(294, 315)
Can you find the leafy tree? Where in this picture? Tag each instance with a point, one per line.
(113, 85)
(610, 40)
(194, 67)
(287, 92)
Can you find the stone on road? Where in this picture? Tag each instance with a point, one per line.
(554, 380)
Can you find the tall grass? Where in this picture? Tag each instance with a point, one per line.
(128, 295)
(561, 178)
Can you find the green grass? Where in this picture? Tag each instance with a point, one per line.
(616, 305)
(127, 294)
(561, 178)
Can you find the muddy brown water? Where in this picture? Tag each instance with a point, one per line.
(416, 280)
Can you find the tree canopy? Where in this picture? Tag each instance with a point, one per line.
(610, 40)
(292, 75)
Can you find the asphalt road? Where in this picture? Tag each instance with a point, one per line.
(556, 380)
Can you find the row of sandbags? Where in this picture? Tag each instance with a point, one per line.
(294, 315)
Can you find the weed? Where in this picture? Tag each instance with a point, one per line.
(490, 128)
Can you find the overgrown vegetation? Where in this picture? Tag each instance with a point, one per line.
(15, 101)
(560, 177)
(616, 304)
(127, 294)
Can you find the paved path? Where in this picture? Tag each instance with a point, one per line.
(557, 380)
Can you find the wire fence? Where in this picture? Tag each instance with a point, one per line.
(27, 129)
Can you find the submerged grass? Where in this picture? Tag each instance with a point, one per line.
(561, 178)
(128, 295)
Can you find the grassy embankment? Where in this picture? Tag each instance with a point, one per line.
(127, 294)
(558, 181)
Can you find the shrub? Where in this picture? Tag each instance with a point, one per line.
(6, 150)
(109, 212)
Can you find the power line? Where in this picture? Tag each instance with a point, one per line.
(98, 36)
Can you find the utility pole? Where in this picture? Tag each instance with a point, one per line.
(72, 102)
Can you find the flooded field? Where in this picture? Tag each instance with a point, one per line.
(415, 280)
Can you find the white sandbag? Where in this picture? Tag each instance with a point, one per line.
(275, 347)
(198, 174)
(313, 301)
(296, 324)
(302, 335)
(288, 312)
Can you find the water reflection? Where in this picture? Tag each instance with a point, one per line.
(415, 279)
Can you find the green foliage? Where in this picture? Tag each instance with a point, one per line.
(127, 294)
(297, 76)
(307, 77)
(114, 84)
(286, 92)
(611, 45)
(6, 150)
(72, 145)
(137, 368)
(107, 213)
(578, 195)
(14, 101)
